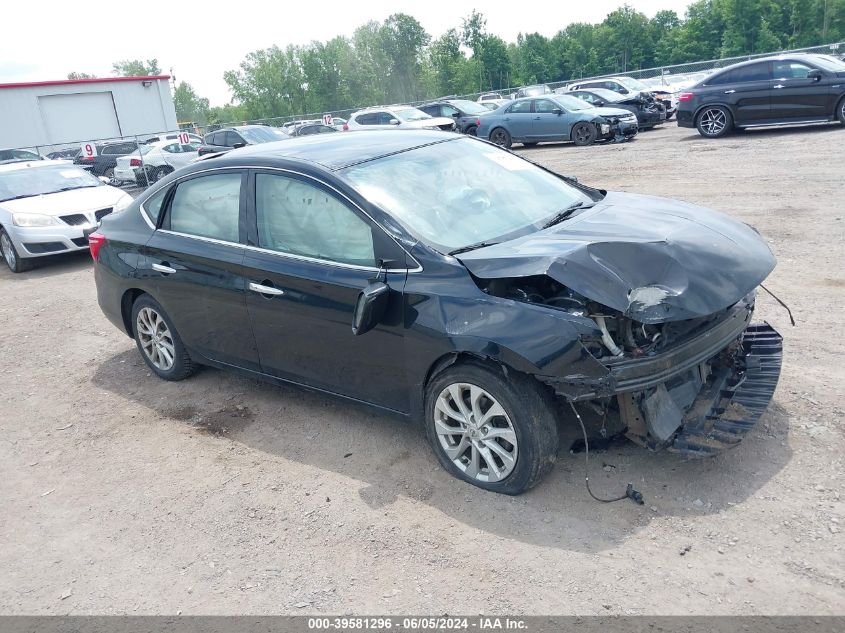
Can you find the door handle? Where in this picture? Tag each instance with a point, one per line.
(729, 92)
(164, 269)
(265, 290)
(778, 86)
(536, 118)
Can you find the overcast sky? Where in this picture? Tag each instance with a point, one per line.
(47, 39)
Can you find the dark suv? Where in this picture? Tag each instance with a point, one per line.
(240, 136)
(105, 161)
(783, 90)
(465, 113)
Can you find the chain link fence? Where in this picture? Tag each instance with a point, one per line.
(149, 157)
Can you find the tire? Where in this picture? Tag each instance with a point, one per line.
(109, 173)
(531, 144)
(472, 130)
(714, 122)
(500, 136)
(840, 111)
(14, 261)
(158, 173)
(526, 431)
(583, 134)
(163, 352)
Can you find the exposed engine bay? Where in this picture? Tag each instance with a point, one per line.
(711, 396)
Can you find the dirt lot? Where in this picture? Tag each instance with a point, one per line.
(122, 493)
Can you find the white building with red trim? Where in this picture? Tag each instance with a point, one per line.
(47, 114)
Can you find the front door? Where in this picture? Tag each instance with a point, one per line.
(548, 125)
(796, 97)
(194, 263)
(313, 253)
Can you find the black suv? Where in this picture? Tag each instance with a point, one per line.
(240, 136)
(783, 90)
(105, 161)
(465, 113)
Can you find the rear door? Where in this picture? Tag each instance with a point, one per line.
(748, 90)
(314, 251)
(794, 97)
(195, 262)
(547, 125)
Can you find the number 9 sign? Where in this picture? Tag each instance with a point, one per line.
(89, 150)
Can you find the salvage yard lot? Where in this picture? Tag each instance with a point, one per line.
(126, 494)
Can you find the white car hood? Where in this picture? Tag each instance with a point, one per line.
(436, 121)
(83, 200)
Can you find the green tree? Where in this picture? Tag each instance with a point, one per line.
(136, 68)
(76, 75)
(189, 105)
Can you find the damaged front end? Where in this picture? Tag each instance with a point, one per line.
(693, 386)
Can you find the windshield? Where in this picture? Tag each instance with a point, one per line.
(632, 84)
(21, 183)
(572, 103)
(468, 107)
(457, 193)
(411, 114)
(608, 95)
(256, 135)
(828, 62)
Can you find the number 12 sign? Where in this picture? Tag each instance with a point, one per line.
(89, 150)
(327, 119)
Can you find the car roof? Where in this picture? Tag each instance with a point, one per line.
(336, 151)
(770, 58)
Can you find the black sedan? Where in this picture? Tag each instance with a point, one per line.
(784, 90)
(307, 129)
(647, 110)
(444, 279)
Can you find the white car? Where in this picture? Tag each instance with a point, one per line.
(152, 162)
(400, 117)
(49, 207)
(489, 96)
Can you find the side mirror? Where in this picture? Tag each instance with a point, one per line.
(394, 121)
(370, 307)
(238, 145)
(456, 114)
(599, 103)
(814, 74)
(623, 91)
(557, 111)
(104, 179)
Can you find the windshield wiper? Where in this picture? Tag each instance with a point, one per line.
(471, 247)
(568, 211)
(20, 197)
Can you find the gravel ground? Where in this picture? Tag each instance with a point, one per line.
(122, 493)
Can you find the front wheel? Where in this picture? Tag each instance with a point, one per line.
(159, 342)
(714, 121)
(14, 261)
(840, 111)
(500, 136)
(584, 134)
(495, 432)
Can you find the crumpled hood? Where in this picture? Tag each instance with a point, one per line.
(610, 111)
(653, 259)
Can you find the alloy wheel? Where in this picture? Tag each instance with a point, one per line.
(156, 339)
(475, 432)
(499, 137)
(8, 250)
(713, 121)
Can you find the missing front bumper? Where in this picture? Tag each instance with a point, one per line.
(712, 408)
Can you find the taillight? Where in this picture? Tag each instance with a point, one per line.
(477, 122)
(134, 162)
(345, 127)
(685, 96)
(88, 158)
(95, 242)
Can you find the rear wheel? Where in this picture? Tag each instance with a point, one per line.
(714, 121)
(158, 341)
(500, 136)
(472, 131)
(109, 173)
(495, 432)
(158, 173)
(584, 134)
(14, 261)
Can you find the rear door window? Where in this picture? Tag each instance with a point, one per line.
(207, 206)
(520, 107)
